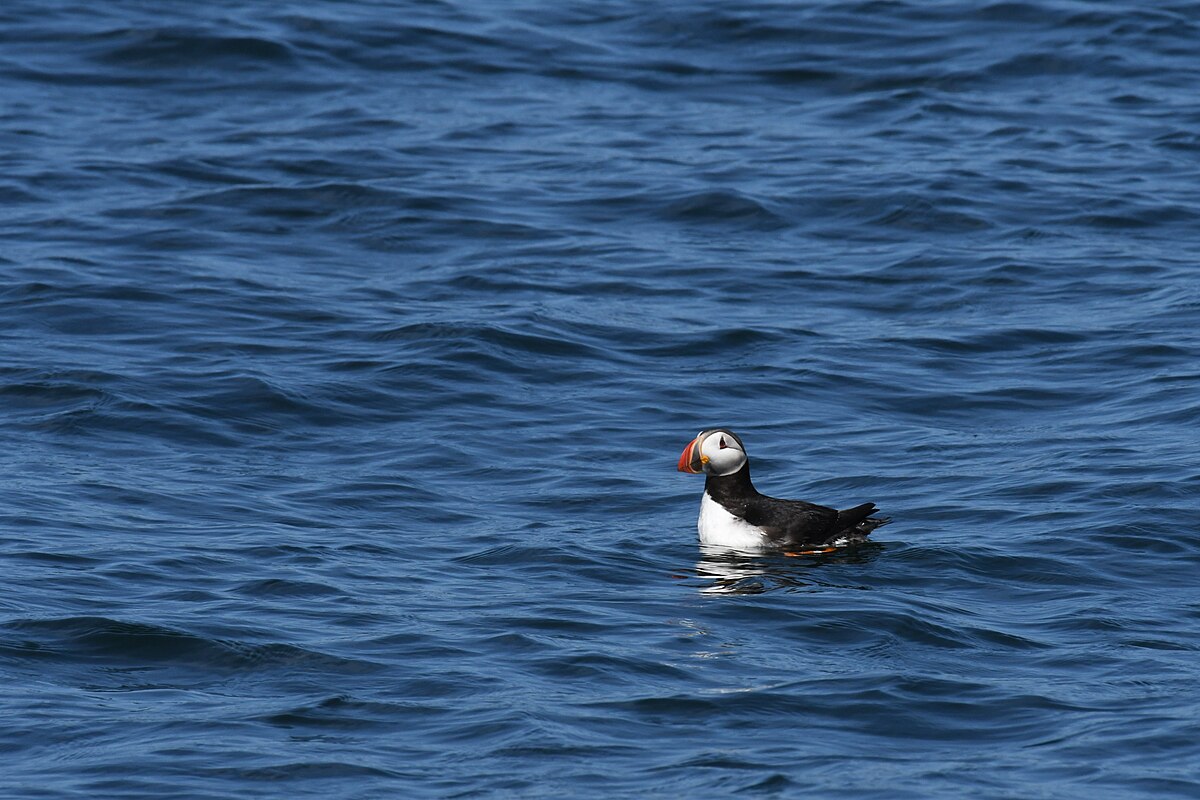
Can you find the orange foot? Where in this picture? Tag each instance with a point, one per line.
(809, 552)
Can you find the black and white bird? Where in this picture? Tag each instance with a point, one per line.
(735, 515)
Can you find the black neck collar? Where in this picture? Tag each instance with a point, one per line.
(736, 486)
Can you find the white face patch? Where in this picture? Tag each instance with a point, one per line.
(725, 455)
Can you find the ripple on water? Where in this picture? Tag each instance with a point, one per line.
(113, 645)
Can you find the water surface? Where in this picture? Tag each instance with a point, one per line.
(347, 350)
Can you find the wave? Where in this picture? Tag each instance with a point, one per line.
(116, 643)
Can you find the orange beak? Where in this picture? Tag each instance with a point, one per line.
(691, 460)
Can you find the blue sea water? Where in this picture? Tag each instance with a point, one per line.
(347, 350)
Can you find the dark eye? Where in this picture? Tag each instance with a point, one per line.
(723, 445)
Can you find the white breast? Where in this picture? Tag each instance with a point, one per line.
(721, 529)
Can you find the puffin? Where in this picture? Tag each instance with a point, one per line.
(734, 515)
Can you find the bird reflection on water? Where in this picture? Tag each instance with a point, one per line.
(725, 571)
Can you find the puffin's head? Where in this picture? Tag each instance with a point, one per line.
(715, 452)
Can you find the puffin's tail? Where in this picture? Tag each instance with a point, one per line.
(858, 520)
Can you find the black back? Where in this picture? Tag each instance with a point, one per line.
(788, 523)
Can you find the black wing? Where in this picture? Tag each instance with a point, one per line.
(796, 523)
(792, 523)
